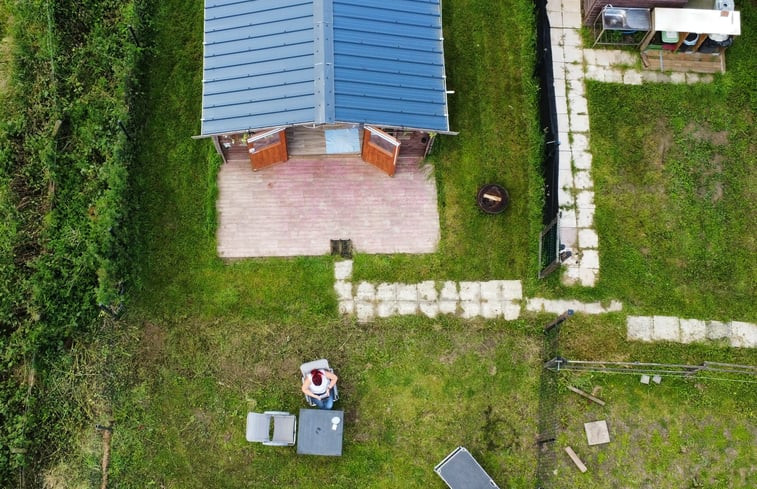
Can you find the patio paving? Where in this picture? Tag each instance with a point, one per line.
(296, 208)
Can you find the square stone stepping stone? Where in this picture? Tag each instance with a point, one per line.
(343, 270)
(656, 379)
(597, 433)
(645, 379)
(430, 309)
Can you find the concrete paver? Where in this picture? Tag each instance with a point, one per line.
(666, 328)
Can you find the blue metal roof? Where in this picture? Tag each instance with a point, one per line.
(281, 62)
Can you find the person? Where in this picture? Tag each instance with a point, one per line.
(319, 388)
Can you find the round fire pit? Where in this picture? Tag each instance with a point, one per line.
(492, 198)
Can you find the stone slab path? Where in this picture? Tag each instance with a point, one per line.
(488, 299)
(572, 65)
(668, 328)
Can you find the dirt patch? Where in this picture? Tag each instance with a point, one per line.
(703, 132)
(663, 138)
(152, 344)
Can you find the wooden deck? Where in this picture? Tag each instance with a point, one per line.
(296, 208)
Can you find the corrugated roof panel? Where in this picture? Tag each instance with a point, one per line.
(258, 64)
(388, 61)
(279, 62)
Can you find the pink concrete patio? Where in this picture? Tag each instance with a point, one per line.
(296, 208)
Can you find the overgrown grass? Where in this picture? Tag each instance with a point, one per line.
(694, 432)
(69, 81)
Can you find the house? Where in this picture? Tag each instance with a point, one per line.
(286, 78)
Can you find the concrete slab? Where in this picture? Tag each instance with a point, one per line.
(386, 292)
(717, 330)
(535, 304)
(343, 290)
(585, 199)
(596, 73)
(590, 56)
(470, 291)
(666, 328)
(449, 292)
(582, 180)
(678, 77)
(743, 335)
(491, 290)
(385, 309)
(656, 379)
(470, 309)
(565, 196)
(577, 104)
(492, 310)
(512, 289)
(407, 292)
(559, 86)
(588, 276)
(427, 291)
(585, 217)
(582, 160)
(512, 311)
(573, 53)
(632, 77)
(365, 311)
(571, 6)
(569, 237)
(645, 379)
(565, 178)
(572, 37)
(568, 218)
(571, 19)
(574, 72)
(563, 123)
(365, 292)
(613, 75)
(597, 432)
(576, 87)
(572, 275)
(447, 307)
(406, 308)
(343, 270)
(579, 143)
(639, 328)
(430, 309)
(579, 122)
(693, 330)
(561, 103)
(346, 307)
(587, 238)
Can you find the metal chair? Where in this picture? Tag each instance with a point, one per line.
(284, 428)
(321, 364)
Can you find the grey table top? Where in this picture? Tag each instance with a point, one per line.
(315, 435)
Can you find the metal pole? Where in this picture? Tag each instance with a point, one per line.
(134, 36)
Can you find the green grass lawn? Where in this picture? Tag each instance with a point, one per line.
(675, 172)
(214, 340)
(204, 341)
(412, 390)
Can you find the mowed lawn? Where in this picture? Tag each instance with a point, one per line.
(209, 341)
(213, 340)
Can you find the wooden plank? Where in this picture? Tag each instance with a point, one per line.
(575, 459)
(586, 395)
